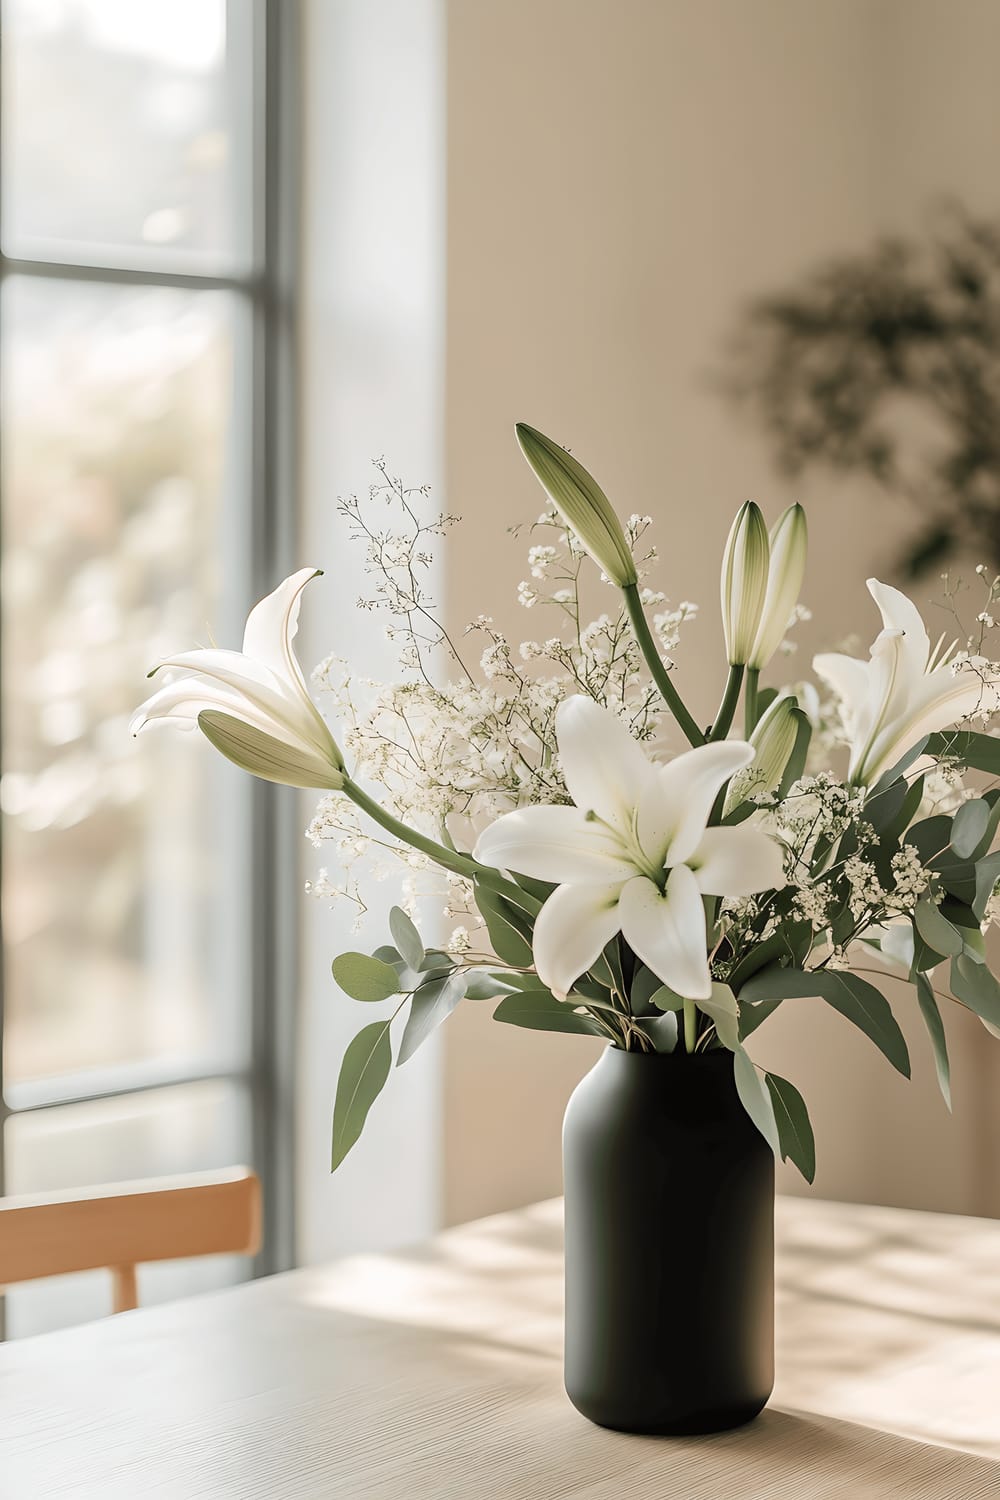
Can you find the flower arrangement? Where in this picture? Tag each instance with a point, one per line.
(662, 901)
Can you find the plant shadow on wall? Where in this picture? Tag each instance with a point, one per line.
(668, 903)
(887, 364)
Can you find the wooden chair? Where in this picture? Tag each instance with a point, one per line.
(124, 1224)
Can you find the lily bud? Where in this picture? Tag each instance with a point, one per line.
(744, 582)
(582, 504)
(267, 757)
(773, 739)
(788, 546)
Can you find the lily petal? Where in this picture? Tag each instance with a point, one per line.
(737, 862)
(272, 626)
(602, 764)
(938, 701)
(255, 682)
(690, 784)
(667, 931)
(900, 613)
(561, 844)
(571, 930)
(180, 703)
(848, 677)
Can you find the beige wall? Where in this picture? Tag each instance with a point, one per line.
(622, 175)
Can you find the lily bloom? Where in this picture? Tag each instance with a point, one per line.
(635, 855)
(253, 705)
(905, 691)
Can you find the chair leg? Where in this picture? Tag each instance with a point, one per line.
(125, 1291)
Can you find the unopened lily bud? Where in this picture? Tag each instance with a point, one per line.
(744, 582)
(773, 739)
(267, 757)
(582, 504)
(788, 546)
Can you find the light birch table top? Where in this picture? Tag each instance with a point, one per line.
(435, 1374)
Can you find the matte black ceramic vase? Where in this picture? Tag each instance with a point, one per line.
(669, 1246)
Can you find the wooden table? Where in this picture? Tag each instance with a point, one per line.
(435, 1375)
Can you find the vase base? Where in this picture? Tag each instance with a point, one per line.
(690, 1424)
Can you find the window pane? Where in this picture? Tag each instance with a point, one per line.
(126, 135)
(185, 1129)
(122, 900)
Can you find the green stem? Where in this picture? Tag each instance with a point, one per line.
(690, 1026)
(657, 670)
(459, 864)
(727, 708)
(750, 714)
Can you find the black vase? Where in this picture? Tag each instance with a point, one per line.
(669, 1246)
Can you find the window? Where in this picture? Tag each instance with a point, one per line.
(139, 335)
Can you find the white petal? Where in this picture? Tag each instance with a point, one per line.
(555, 843)
(848, 677)
(603, 766)
(571, 930)
(667, 931)
(180, 703)
(690, 784)
(737, 862)
(941, 699)
(272, 626)
(258, 684)
(900, 613)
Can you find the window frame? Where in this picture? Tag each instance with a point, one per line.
(266, 442)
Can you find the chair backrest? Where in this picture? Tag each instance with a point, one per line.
(124, 1224)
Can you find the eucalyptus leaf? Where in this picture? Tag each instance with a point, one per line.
(935, 1029)
(365, 978)
(795, 1132)
(976, 987)
(796, 763)
(856, 999)
(721, 1008)
(362, 1077)
(644, 986)
(431, 1004)
(479, 985)
(752, 1013)
(980, 752)
(661, 1030)
(542, 1012)
(756, 1098)
(935, 929)
(969, 826)
(987, 875)
(666, 999)
(406, 937)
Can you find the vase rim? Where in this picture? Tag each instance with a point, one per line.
(717, 1054)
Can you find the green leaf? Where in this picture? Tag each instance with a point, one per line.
(976, 987)
(987, 875)
(362, 1077)
(882, 810)
(752, 1013)
(755, 1098)
(935, 1028)
(931, 836)
(980, 752)
(644, 986)
(540, 1011)
(661, 1030)
(431, 1004)
(969, 825)
(666, 999)
(505, 925)
(793, 942)
(540, 890)
(479, 985)
(935, 929)
(795, 1133)
(365, 978)
(406, 937)
(856, 999)
(721, 1008)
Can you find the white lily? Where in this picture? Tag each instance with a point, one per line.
(254, 705)
(635, 855)
(905, 691)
